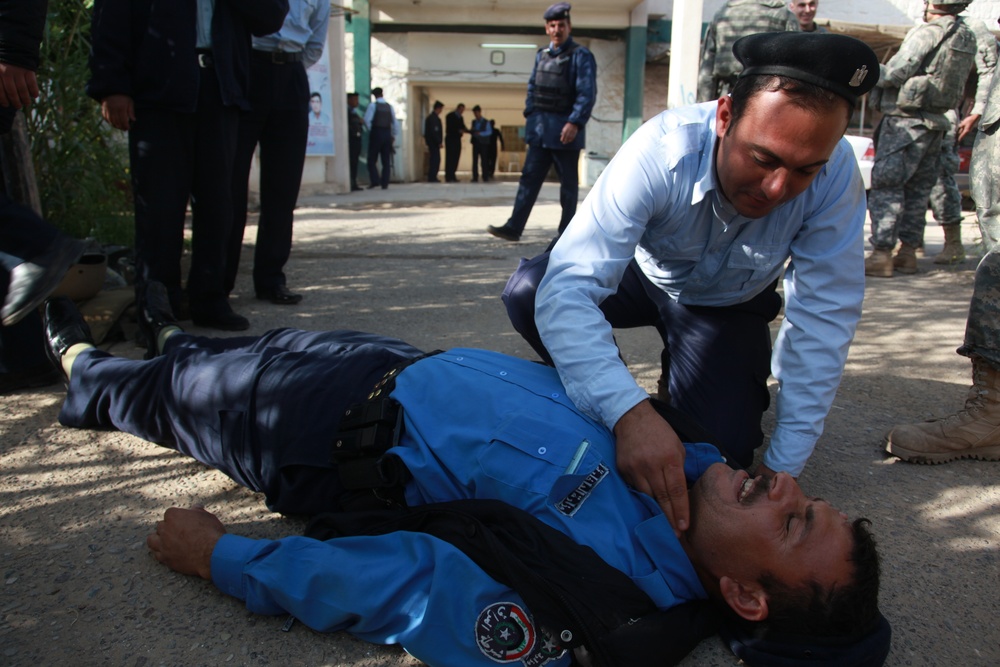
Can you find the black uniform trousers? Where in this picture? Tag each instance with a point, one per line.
(380, 148)
(279, 121)
(354, 156)
(452, 152)
(433, 162)
(718, 359)
(478, 159)
(178, 156)
(264, 411)
(536, 167)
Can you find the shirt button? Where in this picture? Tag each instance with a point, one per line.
(541, 451)
(555, 394)
(503, 373)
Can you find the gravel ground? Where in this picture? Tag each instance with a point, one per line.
(80, 588)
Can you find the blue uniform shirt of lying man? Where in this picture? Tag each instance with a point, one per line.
(474, 425)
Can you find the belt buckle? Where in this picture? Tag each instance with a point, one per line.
(204, 60)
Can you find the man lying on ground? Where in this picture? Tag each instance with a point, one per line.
(276, 413)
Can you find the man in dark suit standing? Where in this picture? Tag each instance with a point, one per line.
(355, 126)
(433, 135)
(454, 129)
(175, 76)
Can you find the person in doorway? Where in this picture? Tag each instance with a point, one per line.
(433, 138)
(454, 129)
(380, 119)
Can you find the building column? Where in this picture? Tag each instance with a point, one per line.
(635, 66)
(685, 51)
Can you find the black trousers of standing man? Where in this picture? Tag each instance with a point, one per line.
(176, 156)
(279, 121)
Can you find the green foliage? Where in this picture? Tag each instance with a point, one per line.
(81, 162)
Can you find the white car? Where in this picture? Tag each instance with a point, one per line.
(864, 152)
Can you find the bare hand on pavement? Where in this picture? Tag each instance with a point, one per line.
(651, 459)
(185, 539)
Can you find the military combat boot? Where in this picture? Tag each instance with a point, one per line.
(972, 433)
(953, 251)
(905, 260)
(879, 264)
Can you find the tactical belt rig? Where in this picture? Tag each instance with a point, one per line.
(367, 431)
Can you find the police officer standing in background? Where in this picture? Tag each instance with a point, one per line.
(918, 86)
(433, 137)
(737, 18)
(561, 94)
(355, 126)
(381, 122)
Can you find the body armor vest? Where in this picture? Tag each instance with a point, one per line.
(554, 88)
(382, 117)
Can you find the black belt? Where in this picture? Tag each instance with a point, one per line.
(367, 431)
(278, 57)
(205, 59)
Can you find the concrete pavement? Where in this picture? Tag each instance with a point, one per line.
(414, 261)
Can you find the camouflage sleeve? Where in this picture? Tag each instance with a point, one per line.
(915, 47)
(706, 83)
(986, 63)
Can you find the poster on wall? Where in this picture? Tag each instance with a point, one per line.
(320, 108)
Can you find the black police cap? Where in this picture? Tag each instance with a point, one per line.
(560, 10)
(842, 64)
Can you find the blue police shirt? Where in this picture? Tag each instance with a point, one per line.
(509, 433)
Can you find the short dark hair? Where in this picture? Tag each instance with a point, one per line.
(805, 95)
(849, 610)
(377, 92)
(317, 96)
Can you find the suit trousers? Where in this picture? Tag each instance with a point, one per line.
(452, 153)
(717, 359)
(433, 162)
(175, 157)
(264, 411)
(278, 121)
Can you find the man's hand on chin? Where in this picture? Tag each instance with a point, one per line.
(651, 459)
(185, 539)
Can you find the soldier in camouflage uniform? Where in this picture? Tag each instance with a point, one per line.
(737, 18)
(973, 432)
(918, 86)
(946, 200)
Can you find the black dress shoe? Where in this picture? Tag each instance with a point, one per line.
(64, 328)
(155, 315)
(279, 295)
(218, 316)
(504, 232)
(32, 281)
(355, 188)
(373, 186)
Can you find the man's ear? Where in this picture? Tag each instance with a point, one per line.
(723, 115)
(749, 601)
